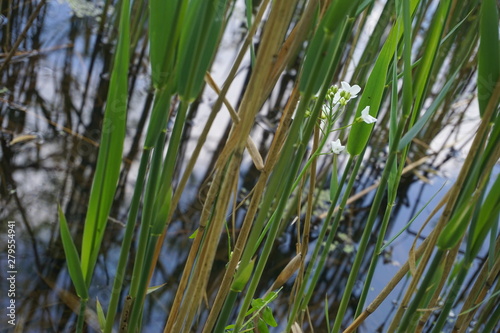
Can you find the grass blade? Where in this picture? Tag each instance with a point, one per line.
(72, 258)
(489, 53)
(110, 151)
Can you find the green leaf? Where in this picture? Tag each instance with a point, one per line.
(110, 151)
(199, 40)
(373, 92)
(100, 314)
(193, 235)
(334, 182)
(242, 278)
(72, 258)
(432, 44)
(258, 303)
(436, 103)
(454, 230)
(267, 315)
(261, 326)
(164, 17)
(488, 71)
(271, 296)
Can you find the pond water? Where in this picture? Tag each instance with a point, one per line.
(51, 102)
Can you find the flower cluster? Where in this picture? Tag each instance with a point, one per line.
(346, 93)
(342, 96)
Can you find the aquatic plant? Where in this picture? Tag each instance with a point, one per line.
(398, 83)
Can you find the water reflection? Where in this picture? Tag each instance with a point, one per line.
(54, 90)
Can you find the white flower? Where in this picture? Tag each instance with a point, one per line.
(365, 116)
(346, 93)
(353, 91)
(337, 147)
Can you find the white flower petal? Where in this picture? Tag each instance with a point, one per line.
(336, 97)
(346, 86)
(337, 147)
(355, 89)
(365, 116)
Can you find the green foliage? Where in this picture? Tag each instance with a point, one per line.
(241, 280)
(110, 151)
(324, 44)
(261, 311)
(183, 39)
(198, 43)
(489, 54)
(72, 258)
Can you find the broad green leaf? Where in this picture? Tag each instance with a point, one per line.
(262, 327)
(110, 151)
(258, 304)
(199, 40)
(242, 277)
(271, 296)
(373, 92)
(72, 258)
(164, 17)
(431, 49)
(489, 53)
(267, 315)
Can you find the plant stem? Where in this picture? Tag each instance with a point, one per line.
(450, 300)
(411, 314)
(127, 242)
(226, 312)
(81, 315)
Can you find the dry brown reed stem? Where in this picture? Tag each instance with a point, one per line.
(433, 304)
(293, 43)
(252, 149)
(478, 142)
(56, 125)
(228, 163)
(72, 302)
(194, 156)
(202, 269)
(478, 291)
(286, 273)
(258, 191)
(22, 36)
(35, 52)
(486, 312)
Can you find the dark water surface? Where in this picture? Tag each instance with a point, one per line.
(52, 101)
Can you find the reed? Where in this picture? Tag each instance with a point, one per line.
(408, 72)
